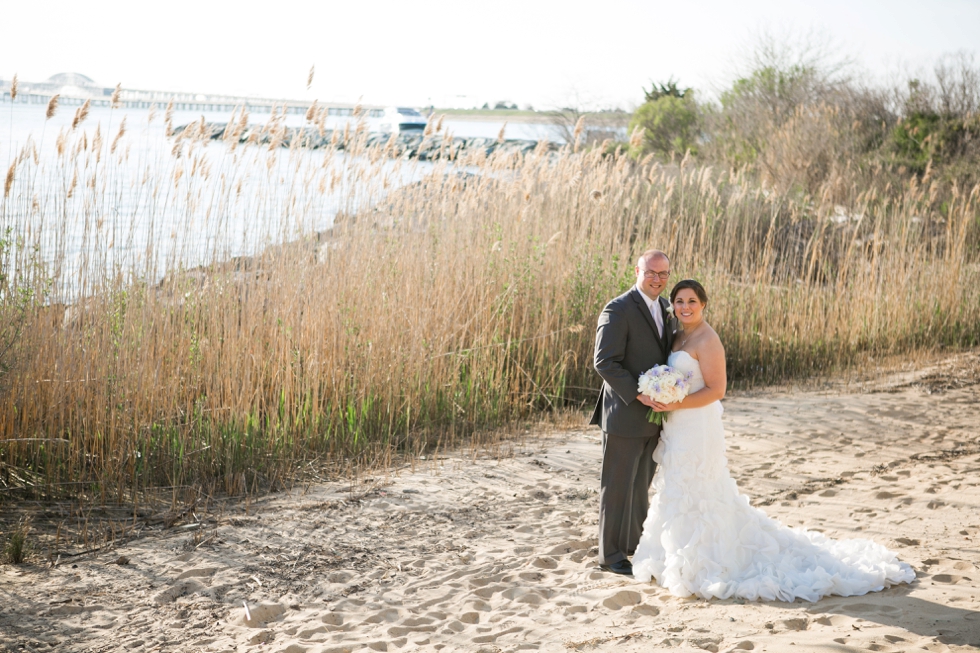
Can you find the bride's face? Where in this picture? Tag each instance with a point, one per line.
(687, 307)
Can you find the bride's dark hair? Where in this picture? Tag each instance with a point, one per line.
(693, 285)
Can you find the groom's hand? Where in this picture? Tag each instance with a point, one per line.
(646, 401)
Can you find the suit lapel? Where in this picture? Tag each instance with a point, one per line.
(642, 306)
(668, 336)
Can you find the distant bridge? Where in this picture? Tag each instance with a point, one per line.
(75, 89)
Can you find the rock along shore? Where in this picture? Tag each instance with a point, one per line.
(413, 145)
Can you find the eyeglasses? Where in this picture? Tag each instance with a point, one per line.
(650, 274)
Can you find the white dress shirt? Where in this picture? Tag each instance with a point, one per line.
(654, 306)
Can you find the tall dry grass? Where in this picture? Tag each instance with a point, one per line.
(431, 311)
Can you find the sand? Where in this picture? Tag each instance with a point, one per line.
(497, 553)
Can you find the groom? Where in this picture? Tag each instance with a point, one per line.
(635, 333)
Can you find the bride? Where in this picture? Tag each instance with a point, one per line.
(701, 536)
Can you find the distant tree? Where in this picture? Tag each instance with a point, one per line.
(781, 77)
(939, 122)
(670, 123)
(669, 89)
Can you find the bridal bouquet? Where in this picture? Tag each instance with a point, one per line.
(665, 385)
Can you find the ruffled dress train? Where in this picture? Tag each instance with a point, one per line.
(702, 537)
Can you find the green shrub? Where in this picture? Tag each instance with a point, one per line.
(925, 136)
(670, 124)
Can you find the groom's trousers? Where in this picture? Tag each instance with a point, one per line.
(624, 494)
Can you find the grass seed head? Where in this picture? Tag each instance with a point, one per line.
(577, 132)
(119, 135)
(52, 107)
(81, 114)
(636, 138)
(9, 181)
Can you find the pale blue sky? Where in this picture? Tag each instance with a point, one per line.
(441, 51)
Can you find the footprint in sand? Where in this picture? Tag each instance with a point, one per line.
(203, 572)
(261, 613)
(949, 579)
(295, 648)
(521, 595)
(311, 633)
(569, 547)
(874, 608)
(887, 495)
(801, 623)
(489, 591)
(881, 647)
(623, 599)
(389, 615)
(177, 590)
(833, 620)
(339, 576)
(333, 620)
(581, 555)
(413, 625)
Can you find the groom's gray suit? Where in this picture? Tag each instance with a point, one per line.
(627, 344)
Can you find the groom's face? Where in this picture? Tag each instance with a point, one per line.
(651, 275)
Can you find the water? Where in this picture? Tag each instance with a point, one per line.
(128, 224)
(18, 121)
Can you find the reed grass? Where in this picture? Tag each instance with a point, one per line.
(18, 544)
(429, 312)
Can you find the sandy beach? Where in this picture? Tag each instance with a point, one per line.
(495, 551)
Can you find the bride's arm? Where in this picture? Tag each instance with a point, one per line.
(711, 356)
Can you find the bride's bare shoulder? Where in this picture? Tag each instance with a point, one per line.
(709, 343)
(711, 334)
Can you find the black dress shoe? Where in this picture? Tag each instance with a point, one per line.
(624, 567)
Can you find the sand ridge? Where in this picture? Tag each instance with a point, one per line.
(498, 554)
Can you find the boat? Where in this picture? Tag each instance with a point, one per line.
(402, 119)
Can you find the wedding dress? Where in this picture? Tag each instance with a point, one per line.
(702, 537)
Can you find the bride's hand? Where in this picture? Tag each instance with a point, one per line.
(664, 408)
(646, 401)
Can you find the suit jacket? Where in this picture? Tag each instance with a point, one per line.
(626, 345)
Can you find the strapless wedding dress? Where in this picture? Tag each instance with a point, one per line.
(702, 537)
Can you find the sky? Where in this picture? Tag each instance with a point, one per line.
(459, 53)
